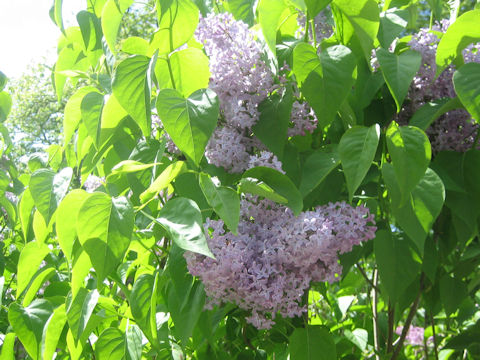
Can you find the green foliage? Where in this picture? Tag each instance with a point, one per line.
(99, 270)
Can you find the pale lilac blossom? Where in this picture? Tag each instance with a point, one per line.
(265, 158)
(239, 75)
(267, 267)
(93, 182)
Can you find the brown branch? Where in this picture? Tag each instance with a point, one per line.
(364, 274)
(408, 322)
(435, 346)
(375, 314)
(391, 319)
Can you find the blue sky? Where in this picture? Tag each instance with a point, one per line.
(27, 34)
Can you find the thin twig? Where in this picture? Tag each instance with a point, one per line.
(375, 315)
(391, 319)
(435, 347)
(408, 322)
(364, 274)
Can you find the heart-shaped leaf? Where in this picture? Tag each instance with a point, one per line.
(357, 149)
(104, 228)
(398, 71)
(48, 189)
(189, 122)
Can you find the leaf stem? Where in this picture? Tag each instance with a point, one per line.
(171, 72)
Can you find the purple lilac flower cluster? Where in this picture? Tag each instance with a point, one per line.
(242, 80)
(455, 129)
(415, 335)
(240, 77)
(269, 265)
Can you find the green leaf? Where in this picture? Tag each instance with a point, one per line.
(305, 60)
(392, 23)
(110, 345)
(186, 312)
(410, 150)
(258, 187)
(360, 19)
(357, 150)
(96, 6)
(436, 7)
(189, 68)
(471, 171)
(458, 36)
(223, 200)
(81, 266)
(140, 300)
(312, 343)
(359, 337)
(467, 86)
(178, 20)
(91, 112)
(112, 116)
(112, 15)
(134, 343)
(5, 105)
(53, 331)
(189, 122)
(431, 111)
(396, 266)
(417, 215)
(242, 10)
(75, 349)
(398, 71)
(104, 228)
(48, 189)
(271, 128)
(327, 86)
(3, 80)
(316, 168)
(73, 112)
(182, 219)
(449, 166)
(92, 35)
(79, 311)
(164, 180)
(135, 45)
(315, 6)
(37, 282)
(29, 262)
(68, 59)
(8, 347)
(56, 13)
(452, 292)
(280, 183)
(66, 228)
(131, 87)
(269, 17)
(28, 324)
(128, 167)
(25, 208)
